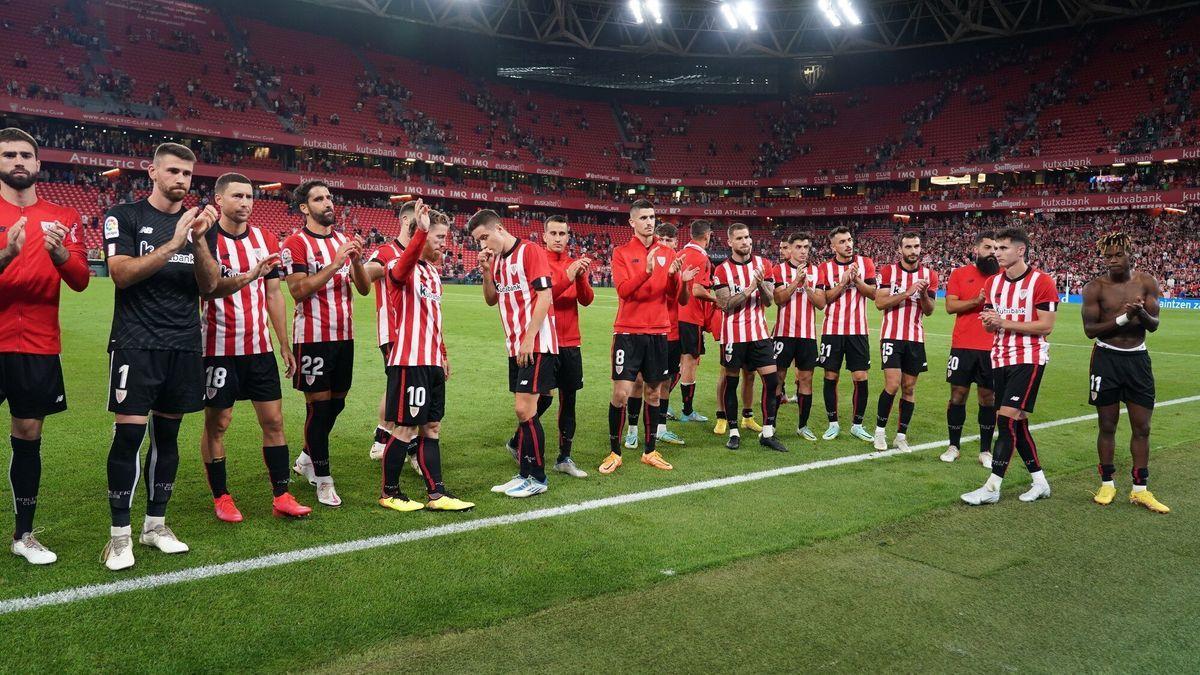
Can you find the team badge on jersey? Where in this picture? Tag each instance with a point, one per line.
(112, 228)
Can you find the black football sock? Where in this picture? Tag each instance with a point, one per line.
(276, 459)
(883, 408)
(1140, 475)
(216, 476)
(1003, 450)
(831, 402)
(956, 416)
(805, 403)
(688, 391)
(429, 457)
(635, 410)
(25, 476)
(316, 435)
(1106, 472)
(987, 425)
(1025, 445)
(544, 403)
(731, 399)
(381, 435)
(654, 413)
(616, 427)
(162, 462)
(533, 444)
(860, 400)
(906, 413)
(123, 470)
(393, 462)
(747, 412)
(770, 401)
(566, 423)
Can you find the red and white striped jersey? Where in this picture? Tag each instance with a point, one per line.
(904, 321)
(520, 272)
(848, 314)
(749, 322)
(328, 314)
(384, 255)
(797, 318)
(236, 325)
(1020, 300)
(414, 289)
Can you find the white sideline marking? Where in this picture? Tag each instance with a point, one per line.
(79, 593)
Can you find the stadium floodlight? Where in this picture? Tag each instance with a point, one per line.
(748, 12)
(848, 12)
(635, 8)
(826, 7)
(655, 9)
(730, 16)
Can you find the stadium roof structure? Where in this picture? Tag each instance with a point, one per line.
(788, 28)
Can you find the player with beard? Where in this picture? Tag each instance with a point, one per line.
(970, 359)
(156, 369)
(417, 368)
(320, 265)
(743, 291)
(848, 282)
(694, 316)
(238, 363)
(907, 290)
(1020, 306)
(1119, 307)
(795, 330)
(39, 249)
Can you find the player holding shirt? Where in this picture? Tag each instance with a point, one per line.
(970, 359)
(319, 264)
(848, 282)
(743, 292)
(646, 276)
(39, 249)
(517, 277)
(417, 368)
(795, 324)
(570, 288)
(694, 316)
(156, 368)
(1020, 307)
(906, 295)
(238, 359)
(1118, 308)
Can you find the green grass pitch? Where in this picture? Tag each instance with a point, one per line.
(867, 566)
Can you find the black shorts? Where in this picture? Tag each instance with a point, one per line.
(32, 384)
(416, 395)
(142, 380)
(851, 347)
(386, 350)
(798, 352)
(539, 377)
(1017, 386)
(748, 355)
(636, 354)
(969, 366)
(1115, 376)
(324, 366)
(674, 356)
(691, 339)
(251, 377)
(906, 355)
(570, 369)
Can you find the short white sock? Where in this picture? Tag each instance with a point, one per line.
(662, 429)
(900, 436)
(993, 482)
(1039, 478)
(153, 522)
(768, 430)
(1139, 488)
(733, 431)
(304, 459)
(123, 531)
(880, 430)
(1109, 483)
(633, 428)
